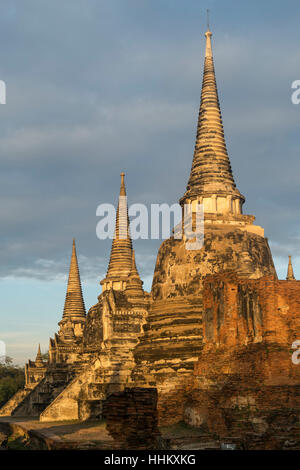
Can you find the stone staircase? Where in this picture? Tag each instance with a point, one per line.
(32, 402)
(84, 395)
(66, 405)
(14, 402)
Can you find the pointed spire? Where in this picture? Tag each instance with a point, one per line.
(211, 170)
(121, 250)
(74, 305)
(39, 354)
(39, 359)
(290, 273)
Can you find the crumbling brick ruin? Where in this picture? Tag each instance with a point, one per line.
(245, 382)
(131, 418)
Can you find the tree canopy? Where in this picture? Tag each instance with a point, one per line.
(12, 378)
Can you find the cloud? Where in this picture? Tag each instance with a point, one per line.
(54, 270)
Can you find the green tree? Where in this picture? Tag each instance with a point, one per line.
(11, 380)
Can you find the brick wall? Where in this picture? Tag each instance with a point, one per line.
(239, 311)
(245, 381)
(131, 418)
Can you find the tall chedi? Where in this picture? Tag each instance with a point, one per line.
(211, 182)
(173, 336)
(121, 251)
(116, 320)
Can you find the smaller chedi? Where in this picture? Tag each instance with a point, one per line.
(35, 370)
(66, 345)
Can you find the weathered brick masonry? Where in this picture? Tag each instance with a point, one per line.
(131, 418)
(245, 380)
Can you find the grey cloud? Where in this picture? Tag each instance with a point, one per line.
(54, 270)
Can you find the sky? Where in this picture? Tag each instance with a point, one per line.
(96, 87)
